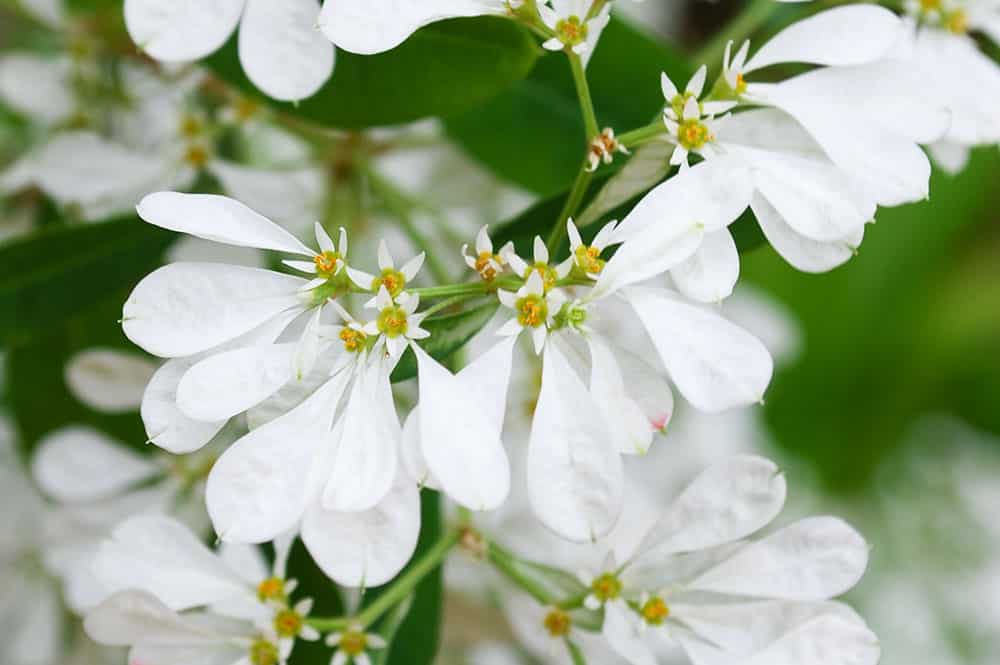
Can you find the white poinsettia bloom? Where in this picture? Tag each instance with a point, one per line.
(573, 25)
(352, 646)
(486, 262)
(937, 45)
(398, 322)
(696, 581)
(280, 49)
(222, 324)
(860, 98)
(332, 463)
(374, 26)
(166, 593)
(535, 309)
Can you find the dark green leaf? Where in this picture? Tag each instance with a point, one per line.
(533, 136)
(50, 276)
(443, 69)
(449, 333)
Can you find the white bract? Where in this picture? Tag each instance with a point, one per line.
(280, 49)
(694, 580)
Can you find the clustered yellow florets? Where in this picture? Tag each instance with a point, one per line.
(354, 340)
(263, 652)
(271, 589)
(326, 263)
(693, 134)
(546, 272)
(558, 623)
(353, 643)
(606, 587)
(392, 321)
(654, 611)
(393, 280)
(532, 311)
(287, 623)
(572, 31)
(589, 259)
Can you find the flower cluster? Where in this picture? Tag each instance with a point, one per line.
(278, 380)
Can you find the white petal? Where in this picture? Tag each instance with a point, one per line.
(575, 478)
(220, 219)
(261, 485)
(849, 35)
(133, 616)
(185, 308)
(81, 464)
(183, 30)
(281, 50)
(621, 630)
(665, 228)
(813, 559)
(627, 423)
(166, 426)
(710, 274)
(160, 555)
(109, 380)
(801, 252)
(366, 27)
(715, 364)
(412, 453)
(367, 454)
(38, 87)
(227, 384)
(727, 501)
(368, 548)
(830, 640)
(460, 423)
(648, 388)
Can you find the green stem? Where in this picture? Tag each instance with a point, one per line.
(583, 93)
(583, 180)
(466, 288)
(399, 591)
(753, 16)
(408, 581)
(575, 653)
(639, 136)
(504, 562)
(444, 304)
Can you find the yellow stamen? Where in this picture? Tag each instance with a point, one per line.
(271, 589)
(558, 623)
(655, 611)
(532, 311)
(353, 643)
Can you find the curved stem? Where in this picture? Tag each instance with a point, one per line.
(580, 186)
(504, 562)
(583, 93)
(639, 136)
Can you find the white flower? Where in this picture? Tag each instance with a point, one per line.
(573, 26)
(374, 26)
(279, 47)
(392, 279)
(588, 257)
(603, 148)
(485, 262)
(695, 579)
(397, 322)
(221, 322)
(690, 123)
(352, 646)
(535, 309)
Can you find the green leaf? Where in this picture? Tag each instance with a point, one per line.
(443, 69)
(449, 333)
(533, 135)
(417, 638)
(51, 276)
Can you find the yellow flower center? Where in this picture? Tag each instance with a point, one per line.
(353, 643)
(271, 589)
(326, 263)
(741, 84)
(287, 623)
(957, 22)
(486, 265)
(547, 273)
(392, 321)
(930, 5)
(532, 311)
(558, 623)
(191, 126)
(589, 259)
(606, 587)
(354, 340)
(196, 155)
(655, 611)
(693, 134)
(572, 31)
(245, 108)
(263, 652)
(393, 281)
(678, 103)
